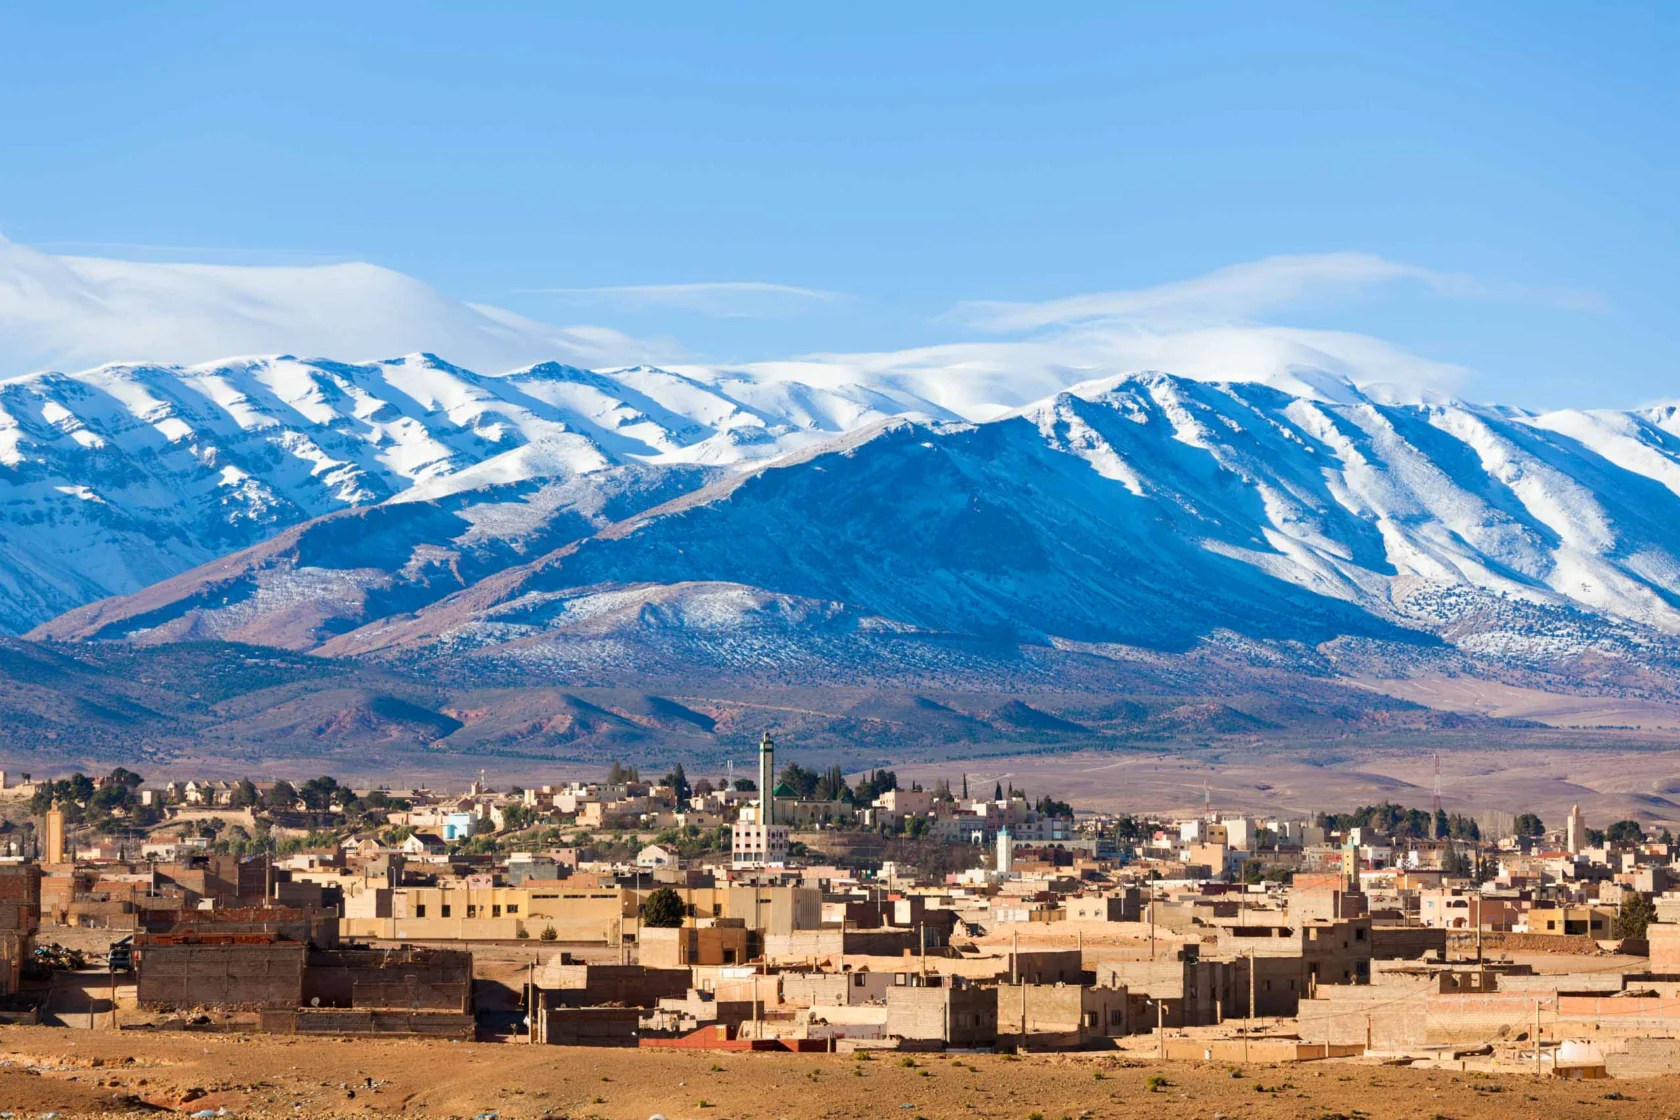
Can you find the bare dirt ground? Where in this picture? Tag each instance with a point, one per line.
(83, 1074)
(1507, 701)
(1608, 782)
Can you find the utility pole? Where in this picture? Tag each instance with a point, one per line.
(1537, 1071)
(1249, 1018)
(1151, 905)
(1023, 1045)
(1161, 1025)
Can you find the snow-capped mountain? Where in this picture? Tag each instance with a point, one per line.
(1141, 512)
(121, 476)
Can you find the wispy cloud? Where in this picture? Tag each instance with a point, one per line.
(1243, 292)
(72, 311)
(1210, 327)
(721, 299)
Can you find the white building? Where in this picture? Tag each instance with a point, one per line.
(655, 856)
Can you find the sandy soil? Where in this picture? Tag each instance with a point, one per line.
(81, 1073)
(1506, 701)
(1608, 783)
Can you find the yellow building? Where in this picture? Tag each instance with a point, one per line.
(460, 912)
(1571, 921)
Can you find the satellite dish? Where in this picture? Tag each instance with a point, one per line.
(314, 1001)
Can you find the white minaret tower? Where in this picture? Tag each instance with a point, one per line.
(766, 780)
(1005, 852)
(1575, 831)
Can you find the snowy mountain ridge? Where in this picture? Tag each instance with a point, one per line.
(589, 521)
(116, 477)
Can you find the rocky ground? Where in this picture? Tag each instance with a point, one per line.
(84, 1073)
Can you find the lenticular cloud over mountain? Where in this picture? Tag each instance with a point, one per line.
(68, 312)
(72, 312)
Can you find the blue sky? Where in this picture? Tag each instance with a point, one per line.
(892, 165)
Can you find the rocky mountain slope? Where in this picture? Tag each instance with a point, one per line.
(1317, 528)
(118, 477)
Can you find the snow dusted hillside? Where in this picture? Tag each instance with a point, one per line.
(1144, 511)
(122, 476)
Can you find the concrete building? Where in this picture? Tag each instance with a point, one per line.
(1064, 1016)
(457, 911)
(656, 856)
(949, 1011)
(717, 942)
(1121, 906)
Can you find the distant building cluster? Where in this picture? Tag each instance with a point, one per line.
(752, 915)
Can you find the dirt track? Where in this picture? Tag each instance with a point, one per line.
(255, 1076)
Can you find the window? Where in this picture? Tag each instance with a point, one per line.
(1116, 1019)
(513, 908)
(472, 910)
(1090, 1018)
(495, 911)
(419, 909)
(444, 909)
(1359, 934)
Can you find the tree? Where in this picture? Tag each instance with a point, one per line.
(81, 788)
(1530, 824)
(1460, 827)
(873, 785)
(281, 797)
(832, 785)
(703, 787)
(801, 781)
(549, 934)
(1636, 914)
(1443, 828)
(618, 774)
(678, 781)
(1127, 829)
(1624, 832)
(244, 795)
(123, 777)
(319, 793)
(1048, 806)
(663, 909)
(110, 797)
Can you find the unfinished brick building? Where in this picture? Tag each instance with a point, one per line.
(20, 914)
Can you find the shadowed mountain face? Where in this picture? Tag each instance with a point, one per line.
(1143, 517)
(118, 477)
